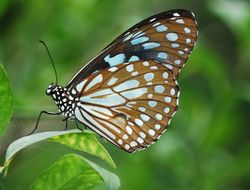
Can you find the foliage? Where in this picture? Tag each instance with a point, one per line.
(74, 172)
(6, 100)
(86, 143)
(71, 170)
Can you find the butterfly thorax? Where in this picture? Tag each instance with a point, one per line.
(64, 100)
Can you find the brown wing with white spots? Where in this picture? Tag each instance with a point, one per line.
(130, 105)
(168, 38)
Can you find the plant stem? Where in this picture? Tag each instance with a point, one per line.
(1, 170)
(1, 177)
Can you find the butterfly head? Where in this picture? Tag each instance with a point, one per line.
(51, 89)
(56, 92)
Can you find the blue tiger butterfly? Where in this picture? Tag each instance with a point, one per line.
(129, 93)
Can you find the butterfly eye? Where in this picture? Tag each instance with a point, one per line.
(50, 89)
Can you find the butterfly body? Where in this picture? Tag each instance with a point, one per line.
(129, 93)
(64, 99)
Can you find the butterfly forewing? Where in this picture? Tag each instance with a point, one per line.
(130, 104)
(168, 38)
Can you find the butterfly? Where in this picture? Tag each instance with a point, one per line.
(129, 93)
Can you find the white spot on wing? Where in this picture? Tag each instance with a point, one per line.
(127, 38)
(153, 19)
(116, 60)
(180, 21)
(113, 69)
(133, 144)
(127, 146)
(187, 30)
(149, 76)
(154, 67)
(158, 116)
(171, 37)
(159, 89)
(112, 81)
(145, 117)
(151, 45)
(120, 141)
(166, 109)
(105, 97)
(150, 96)
(135, 93)
(140, 140)
(126, 85)
(142, 109)
(135, 73)
(177, 62)
(180, 52)
(175, 45)
(167, 99)
(165, 75)
(139, 40)
(151, 132)
(139, 122)
(157, 126)
(145, 63)
(152, 104)
(125, 136)
(129, 130)
(80, 85)
(162, 55)
(134, 58)
(172, 91)
(130, 68)
(143, 135)
(161, 28)
(168, 66)
(137, 33)
(156, 24)
(95, 81)
(188, 40)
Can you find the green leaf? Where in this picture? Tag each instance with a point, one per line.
(86, 142)
(75, 172)
(23, 142)
(6, 100)
(1, 182)
(111, 180)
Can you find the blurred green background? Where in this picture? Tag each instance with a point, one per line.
(206, 147)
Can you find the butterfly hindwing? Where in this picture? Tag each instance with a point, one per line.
(168, 38)
(130, 104)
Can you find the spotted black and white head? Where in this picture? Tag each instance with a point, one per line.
(64, 100)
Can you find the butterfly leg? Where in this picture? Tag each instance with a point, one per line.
(78, 127)
(38, 119)
(66, 125)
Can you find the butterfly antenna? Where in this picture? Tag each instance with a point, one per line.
(51, 60)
